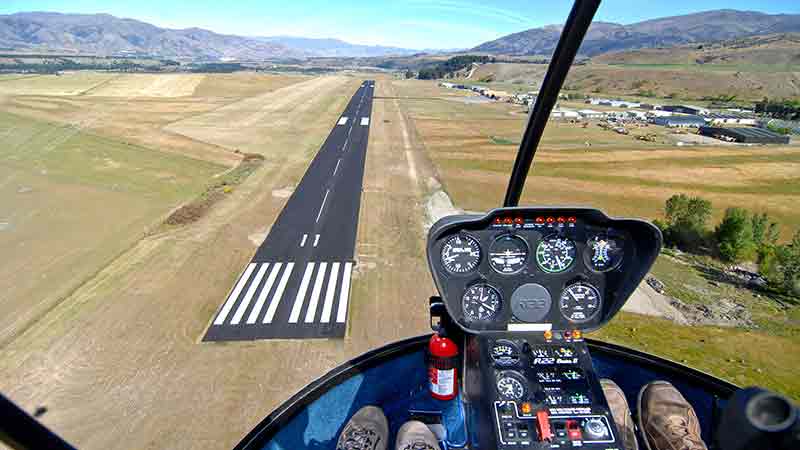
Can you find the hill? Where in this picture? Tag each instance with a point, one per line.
(103, 34)
(604, 37)
(775, 49)
(335, 47)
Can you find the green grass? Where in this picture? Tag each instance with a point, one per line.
(497, 140)
(743, 357)
(69, 155)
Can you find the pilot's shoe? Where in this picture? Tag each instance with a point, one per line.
(621, 413)
(415, 435)
(368, 429)
(667, 420)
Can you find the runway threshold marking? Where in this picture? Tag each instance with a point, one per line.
(276, 299)
(365, 121)
(301, 293)
(342, 121)
(316, 240)
(303, 242)
(312, 304)
(226, 308)
(344, 294)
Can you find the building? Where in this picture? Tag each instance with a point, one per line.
(745, 135)
(564, 114)
(591, 114)
(680, 121)
(686, 109)
(732, 118)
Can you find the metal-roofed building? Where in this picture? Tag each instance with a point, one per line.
(745, 135)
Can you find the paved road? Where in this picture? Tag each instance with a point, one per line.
(298, 283)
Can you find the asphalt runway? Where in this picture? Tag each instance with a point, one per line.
(297, 285)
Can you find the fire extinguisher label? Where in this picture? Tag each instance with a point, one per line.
(442, 381)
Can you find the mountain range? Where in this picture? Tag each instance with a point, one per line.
(103, 34)
(604, 37)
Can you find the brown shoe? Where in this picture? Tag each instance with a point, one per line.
(621, 414)
(667, 420)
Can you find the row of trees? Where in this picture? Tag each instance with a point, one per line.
(454, 64)
(740, 236)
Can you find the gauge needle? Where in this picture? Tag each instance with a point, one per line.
(558, 261)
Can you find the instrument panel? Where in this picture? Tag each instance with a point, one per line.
(536, 269)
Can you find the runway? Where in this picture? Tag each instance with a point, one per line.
(298, 284)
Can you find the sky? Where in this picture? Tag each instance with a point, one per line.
(417, 24)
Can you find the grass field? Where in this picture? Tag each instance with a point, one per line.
(72, 202)
(468, 144)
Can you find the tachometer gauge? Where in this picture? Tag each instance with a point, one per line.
(580, 302)
(555, 254)
(461, 254)
(481, 303)
(603, 253)
(508, 254)
(511, 385)
(505, 353)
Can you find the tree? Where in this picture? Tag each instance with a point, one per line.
(788, 258)
(735, 235)
(685, 220)
(765, 233)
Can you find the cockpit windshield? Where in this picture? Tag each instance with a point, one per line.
(205, 206)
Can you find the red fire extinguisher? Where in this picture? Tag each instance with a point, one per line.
(442, 367)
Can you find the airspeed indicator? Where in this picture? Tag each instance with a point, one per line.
(461, 254)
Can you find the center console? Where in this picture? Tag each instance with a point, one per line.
(541, 393)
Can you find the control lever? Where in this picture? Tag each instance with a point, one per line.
(543, 425)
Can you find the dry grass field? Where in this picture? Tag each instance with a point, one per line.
(473, 147)
(118, 362)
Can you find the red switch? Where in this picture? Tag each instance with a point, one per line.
(573, 431)
(543, 425)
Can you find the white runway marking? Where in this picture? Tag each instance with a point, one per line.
(276, 299)
(323, 204)
(312, 304)
(237, 316)
(337, 166)
(343, 121)
(316, 240)
(226, 308)
(303, 242)
(262, 297)
(365, 121)
(301, 294)
(344, 294)
(328, 305)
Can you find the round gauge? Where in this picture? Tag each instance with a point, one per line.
(603, 253)
(508, 254)
(505, 353)
(555, 254)
(481, 303)
(511, 385)
(461, 254)
(580, 302)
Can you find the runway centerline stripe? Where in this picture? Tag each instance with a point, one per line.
(323, 204)
(328, 305)
(299, 281)
(226, 308)
(344, 294)
(301, 294)
(237, 316)
(262, 297)
(276, 299)
(312, 304)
